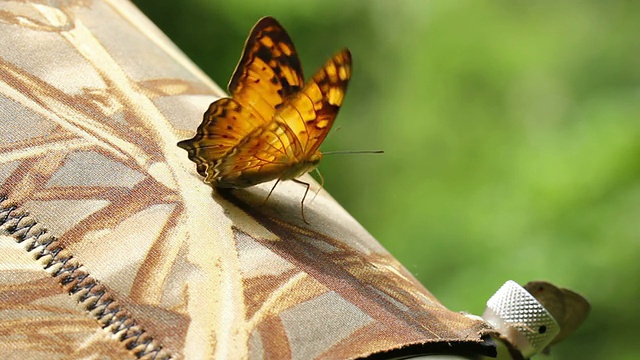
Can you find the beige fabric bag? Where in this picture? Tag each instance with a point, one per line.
(113, 247)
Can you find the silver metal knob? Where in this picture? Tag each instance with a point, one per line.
(521, 319)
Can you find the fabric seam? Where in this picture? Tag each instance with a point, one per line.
(91, 295)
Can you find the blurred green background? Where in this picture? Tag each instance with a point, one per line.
(511, 137)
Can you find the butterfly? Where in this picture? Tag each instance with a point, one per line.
(272, 125)
(567, 307)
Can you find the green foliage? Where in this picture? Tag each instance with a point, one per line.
(511, 137)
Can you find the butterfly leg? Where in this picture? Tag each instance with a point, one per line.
(271, 191)
(303, 197)
(321, 184)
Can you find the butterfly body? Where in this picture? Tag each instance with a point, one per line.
(273, 124)
(242, 180)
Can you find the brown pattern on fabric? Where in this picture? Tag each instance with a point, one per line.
(398, 307)
(87, 147)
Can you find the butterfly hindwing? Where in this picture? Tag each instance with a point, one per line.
(266, 154)
(225, 124)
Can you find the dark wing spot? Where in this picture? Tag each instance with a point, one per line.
(265, 54)
(286, 85)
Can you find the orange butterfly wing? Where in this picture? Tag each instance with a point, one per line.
(288, 146)
(225, 124)
(268, 72)
(311, 112)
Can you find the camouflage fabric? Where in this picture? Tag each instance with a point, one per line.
(114, 248)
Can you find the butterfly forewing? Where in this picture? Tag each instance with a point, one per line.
(311, 112)
(269, 70)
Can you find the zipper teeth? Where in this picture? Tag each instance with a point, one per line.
(92, 295)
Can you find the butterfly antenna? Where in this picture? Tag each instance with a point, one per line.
(354, 152)
(303, 197)
(271, 191)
